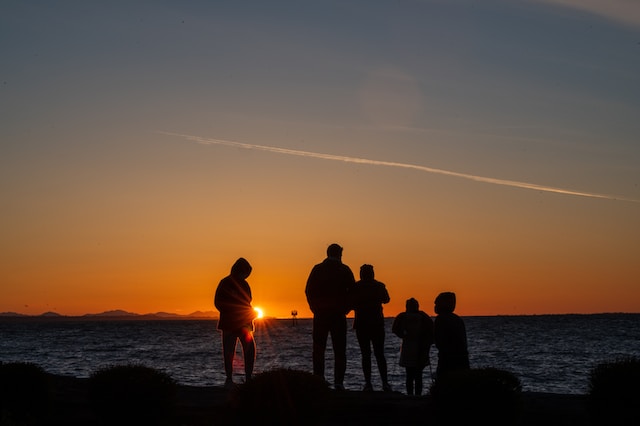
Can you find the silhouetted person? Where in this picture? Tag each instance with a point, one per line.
(233, 300)
(450, 335)
(415, 328)
(327, 292)
(368, 297)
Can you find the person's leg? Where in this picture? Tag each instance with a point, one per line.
(364, 342)
(249, 352)
(409, 380)
(319, 334)
(418, 380)
(228, 351)
(377, 339)
(339, 341)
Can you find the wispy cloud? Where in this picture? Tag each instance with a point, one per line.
(627, 11)
(483, 179)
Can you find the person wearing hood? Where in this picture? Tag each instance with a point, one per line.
(450, 335)
(233, 300)
(415, 328)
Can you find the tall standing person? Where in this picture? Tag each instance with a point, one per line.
(369, 295)
(327, 292)
(233, 300)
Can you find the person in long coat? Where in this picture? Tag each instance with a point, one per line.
(450, 335)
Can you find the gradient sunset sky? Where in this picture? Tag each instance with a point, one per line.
(490, 148)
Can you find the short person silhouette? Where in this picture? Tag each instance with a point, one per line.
(415, 328)
(450, 335)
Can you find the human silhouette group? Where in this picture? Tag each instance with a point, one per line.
(333, 292)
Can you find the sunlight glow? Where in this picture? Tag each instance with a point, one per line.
(259, 312)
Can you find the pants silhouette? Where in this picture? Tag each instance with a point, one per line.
(336, 325)
(229, 341)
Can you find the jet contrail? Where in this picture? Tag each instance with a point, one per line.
(503, 182)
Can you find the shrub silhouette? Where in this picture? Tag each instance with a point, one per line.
(477, 396)
(24, 394)
(132, 394)
(613, 395)
(281, 397)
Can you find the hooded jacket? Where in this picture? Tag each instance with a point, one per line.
(233, 299)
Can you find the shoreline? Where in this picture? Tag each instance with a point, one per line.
(211, 405)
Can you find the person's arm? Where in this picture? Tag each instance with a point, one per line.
(350, 283)
(221, 298)
(428, 329)
(310, 290)
(397, 327)
(384, 294)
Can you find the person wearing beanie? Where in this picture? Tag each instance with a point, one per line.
(369, 295)
(415, 328)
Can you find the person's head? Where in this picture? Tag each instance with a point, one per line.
(334, 250)
(241, 269)
(366, 272)
(445, 303)
(412, 305)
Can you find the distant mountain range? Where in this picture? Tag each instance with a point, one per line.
(117, 314)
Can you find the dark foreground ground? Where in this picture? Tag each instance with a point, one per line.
(199, 406)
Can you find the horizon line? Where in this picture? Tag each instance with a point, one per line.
(161, 315)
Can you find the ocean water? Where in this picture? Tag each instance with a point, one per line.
(549, 353)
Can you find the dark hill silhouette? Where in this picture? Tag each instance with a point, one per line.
(115, 314)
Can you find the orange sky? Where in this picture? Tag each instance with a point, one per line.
(524, 271)
(144, 149)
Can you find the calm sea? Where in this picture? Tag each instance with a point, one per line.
(549, 353)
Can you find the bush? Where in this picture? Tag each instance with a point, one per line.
(24, 394)
(477, 396)
(614, 395)
(132, 394)
(281, 397)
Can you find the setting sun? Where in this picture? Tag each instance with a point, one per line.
(259, 312)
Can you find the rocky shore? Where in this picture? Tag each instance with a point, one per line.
(200, 406)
